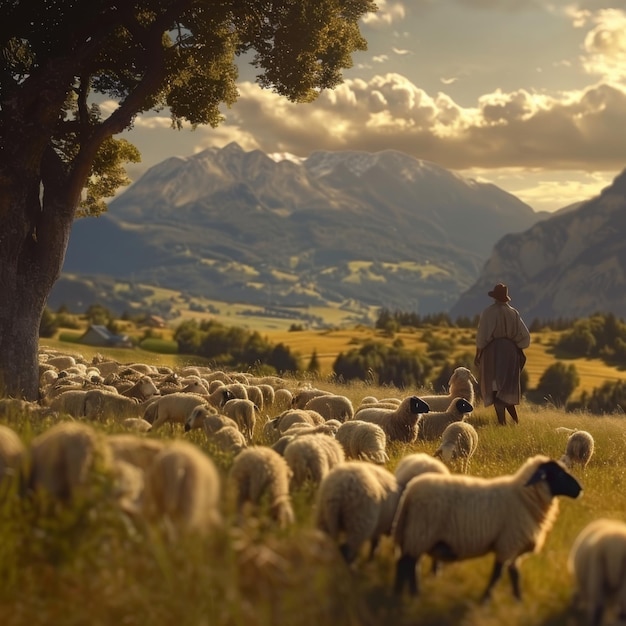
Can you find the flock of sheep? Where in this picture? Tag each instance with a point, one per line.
(429, 505)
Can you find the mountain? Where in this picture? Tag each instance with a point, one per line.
(382, 229)
(571, 265)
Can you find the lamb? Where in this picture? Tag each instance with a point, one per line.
(244, 412)
(311, 457)
(64, 458)
(454, 517)
(460, 385)
(182, 489)
(173, 408)
(432, 425)
(415, 464)
(399, 424)
(363, 440)
(579, 448)
(332, 406)
(597, 561)
(458, 442)
(259, 474)
(356, 502)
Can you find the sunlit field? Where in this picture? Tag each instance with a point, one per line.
(92, 564)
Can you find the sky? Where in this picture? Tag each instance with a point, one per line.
(529, 95)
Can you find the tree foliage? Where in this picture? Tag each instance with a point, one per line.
(61, 60)
(557, 383)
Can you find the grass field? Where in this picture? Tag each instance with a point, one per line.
(92, 565)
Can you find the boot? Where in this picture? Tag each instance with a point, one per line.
(513, 412)
(500, 408)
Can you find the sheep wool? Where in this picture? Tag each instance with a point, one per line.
(597, 562)
(415, 464)
(399, 424)
(455, 517)
(458, 443)
(244, 412)
(182, 490)
(579, 449)
(332, 406)
(311, 457)
(259, 474)
(460, 385)
(363, 441)
(356, 502)
(432, 425)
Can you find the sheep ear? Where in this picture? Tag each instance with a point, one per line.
(539, 475)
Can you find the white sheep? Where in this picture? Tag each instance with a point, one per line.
(228, 439)
(294, 416)
(12, 459)
(578, 449)
(69, 402)
(244, 412)
(415, 464)
(101, 405)
(206, 417)
(135, 449)
(460, 385)
(311, 457)
(65, 458)
(260, 475)
(173, 408)
(137, 424)
(302, 396)
(332, 406)
(356, 502)
(431, 425)
(143, 389)
(299, 429)
(182, 490)
(399, 424)
(454, 517)
(458, 443)
(363, 440)
(597, 561)
(282, 398)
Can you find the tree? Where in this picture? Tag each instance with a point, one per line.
(558, 383)
(60, 158)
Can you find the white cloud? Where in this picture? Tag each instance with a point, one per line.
(380, 58)
(401, 51)
(605, 45)
(388, 13)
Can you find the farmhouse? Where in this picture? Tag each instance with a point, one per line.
(97, 335)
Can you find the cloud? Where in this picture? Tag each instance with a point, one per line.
(401, 51)
(387, 14)
(605, 46)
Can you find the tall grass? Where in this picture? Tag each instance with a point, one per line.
(92, 565)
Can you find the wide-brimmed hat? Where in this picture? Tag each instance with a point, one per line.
(500, 292)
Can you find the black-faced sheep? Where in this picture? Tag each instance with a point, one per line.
(456, 517)
(399, 424)
(432, 425)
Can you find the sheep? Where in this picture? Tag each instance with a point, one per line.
(363, 440)
(244, 412)
(432, 425)
(460, 385)
(101, 404)
(255, 394)
(458, 442)
(205, 417)
(269, 394)
(228, 439)
(70, 402)
(172, 408)
(299, 429)
(455, 517)
(142, 389)
(302, 396)
(399, 424)
(182, 490)
(355, 503)
(311, 457)
(12, 458)
(332, 406)
(137, 424)
(282, 398)
(259, 473)
(415, 464)
(134, 449)
(64, 458)
(293, 416)
(579, 448)
(597, 562)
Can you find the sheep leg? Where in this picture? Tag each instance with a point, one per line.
(495, 576)
(406, 573)
(514, 576)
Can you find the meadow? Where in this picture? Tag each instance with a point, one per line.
(90, 564)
